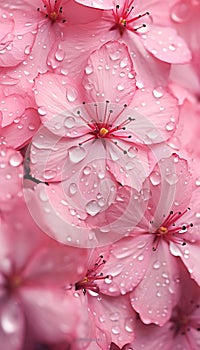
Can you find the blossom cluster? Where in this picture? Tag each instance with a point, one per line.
(100, 178)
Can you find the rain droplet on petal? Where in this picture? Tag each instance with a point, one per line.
(92, 208)
(69, 122)
(71, 94)
(77, 154)
(155, 178)
(15, 159)
(158, 92)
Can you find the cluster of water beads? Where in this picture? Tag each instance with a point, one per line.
(169, 231)
(124, 20)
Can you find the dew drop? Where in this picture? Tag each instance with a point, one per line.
(108, 279)
(115, 330)
(88, 70)
(49, 174)
(129, 325)
(156, 265)
(27, 50)
(77, 154)
(43, 195)
(181, 12)
(115, 55)
(155, 178)
(170, 126)
(120, 87)
(141, 257)
(71, 94)
(114, 316)
(87, 170)
(42, 110)
(69, 122)
(59, 55)
(15, 160)
(158, 92)
(72, 189)
(92, 208)
(172, 179)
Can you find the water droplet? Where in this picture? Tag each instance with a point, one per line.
(59, 55)
(115, 330)
(181, 12)
(49, 174)
(141, 257)
(132, 152)
(42, 110)
(77, 154)
(155, 178)
(170, 126)
(172, 179)
(114, 316)
(124, 62)
(43, 195)
(15, 160)
(88, 70)
(87, 170)
(115, 55)
(108, 279)
(27, 50)
(31, 127)
(71, 94)
(69, 122)
(129, 325)
(158, 92)
(92, 208)
(156, 265)
(72, 188)
(120, 87)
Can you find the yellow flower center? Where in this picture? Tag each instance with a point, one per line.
(103, 132)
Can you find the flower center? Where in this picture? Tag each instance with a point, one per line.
(124, 19)
(92, 275)
(182, 321)
(104, 125)
(169, 231)
(52, 10)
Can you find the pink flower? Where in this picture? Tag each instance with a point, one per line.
(185, 19)
(111, 318)
(182, 331)
(38, 29)
(147, 260)
(19, 119)
(145, 28)
(97, 145)
(34, 270)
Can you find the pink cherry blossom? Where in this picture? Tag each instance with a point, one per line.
(181, 331)
(149, 256)
(153, 48)
(185, 18)
(112, 319)
(34, 272)
(45, 22)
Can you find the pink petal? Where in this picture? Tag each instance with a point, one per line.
(22, 129)
(110, 74)
(166, 45)
(99, 4)
(127, 264)
(11, 107)
(53, 103)
(158, 291)
(159, 114)
(114, 316)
